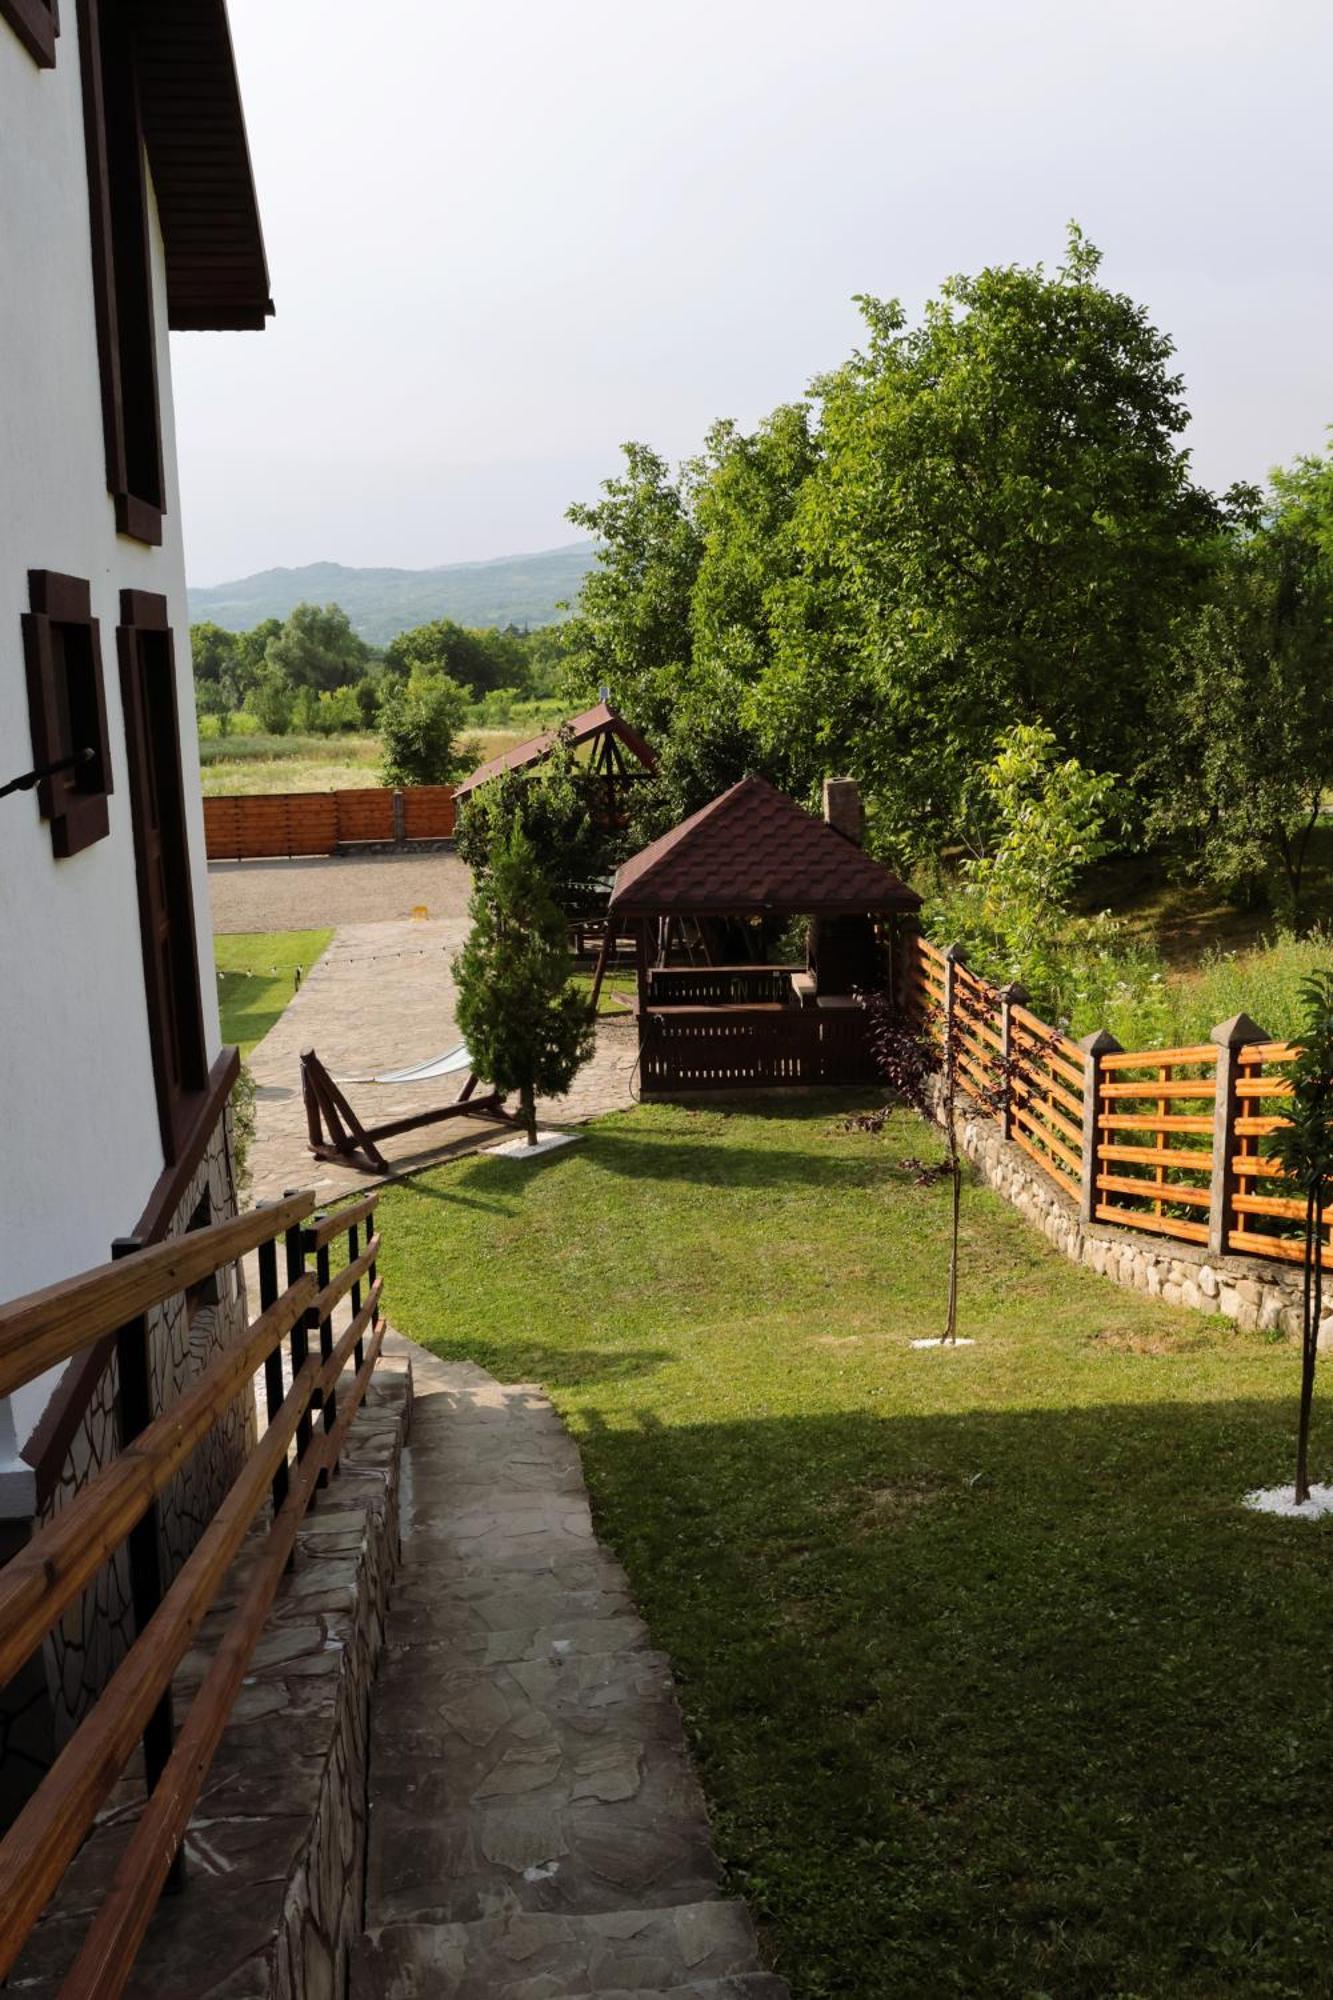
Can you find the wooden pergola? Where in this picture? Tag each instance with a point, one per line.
(708, 1021)
(615, 750)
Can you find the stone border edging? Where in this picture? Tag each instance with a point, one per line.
(1260, 1296)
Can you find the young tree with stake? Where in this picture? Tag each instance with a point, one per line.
(526, 1024)
(1303, 1148)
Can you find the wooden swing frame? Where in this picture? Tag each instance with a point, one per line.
(347, 1142)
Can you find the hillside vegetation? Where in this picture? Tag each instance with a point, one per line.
(380, 603)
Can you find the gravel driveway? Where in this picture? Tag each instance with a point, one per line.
(328, 891)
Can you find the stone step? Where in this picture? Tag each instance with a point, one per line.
(539, 1785)
(501, 1858)
(609, 1630)
(530, 1957)
(470, 1613)
(740, 1986)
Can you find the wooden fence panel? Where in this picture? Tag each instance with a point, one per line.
(364, 814)
(428, 812)
(1155, 1119)
(252, 826)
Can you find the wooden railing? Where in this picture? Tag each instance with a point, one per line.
(307, 1422)
(743, 1048)
(245, 826)
(719, 985)
(1168, 1141)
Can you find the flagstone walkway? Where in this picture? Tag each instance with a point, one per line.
(383, 997)
(536, 1830)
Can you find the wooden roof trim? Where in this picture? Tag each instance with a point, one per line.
(199, 157)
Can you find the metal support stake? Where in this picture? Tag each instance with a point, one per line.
(273, 1391)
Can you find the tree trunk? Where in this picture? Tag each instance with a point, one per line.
(527, 1099)
(1311, 1299)
(956, 1176)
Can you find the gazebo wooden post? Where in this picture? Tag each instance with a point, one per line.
(641, 965)
(599, 972)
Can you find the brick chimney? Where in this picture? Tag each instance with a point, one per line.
(843, 809)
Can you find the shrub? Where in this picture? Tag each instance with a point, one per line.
(419, 723)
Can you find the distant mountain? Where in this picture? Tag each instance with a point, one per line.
(511, 590)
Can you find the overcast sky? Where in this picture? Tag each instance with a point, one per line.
(506, 235)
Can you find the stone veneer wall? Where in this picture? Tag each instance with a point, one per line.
(1256, 1294)
(276, 1849)
(94, 1634)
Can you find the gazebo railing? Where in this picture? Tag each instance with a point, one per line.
(719, 985)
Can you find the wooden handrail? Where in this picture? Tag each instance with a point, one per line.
(61, 1561)
(333, 1224)
(46, 1327)
(50, 1570)
(107, 1956)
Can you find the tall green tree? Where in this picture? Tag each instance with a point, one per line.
(1246, 754)
(632, 631)
(526, 1024)
(1001, 528)
(419, 722)
(480, 660)
(317, 648)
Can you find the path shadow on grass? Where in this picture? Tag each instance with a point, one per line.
(1014, 1704)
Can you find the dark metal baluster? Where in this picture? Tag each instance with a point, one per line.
(144, 1546)
(330, 1398)
(353, 1252)
(273, 1393)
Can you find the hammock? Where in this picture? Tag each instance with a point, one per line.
(448, 1064)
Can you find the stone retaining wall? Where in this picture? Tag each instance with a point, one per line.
(275, 1851)
(1258, 1295)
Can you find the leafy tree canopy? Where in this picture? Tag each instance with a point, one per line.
(419, 723)
(317, 648)
(479, 660)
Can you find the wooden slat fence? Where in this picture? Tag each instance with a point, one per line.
(331, 1367)
(718, 985)
(253, 826)
(1175, 1150)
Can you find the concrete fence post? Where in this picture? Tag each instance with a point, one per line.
(1231, 1038)
(1011, 996)
(399, 819)
(1096, 1048)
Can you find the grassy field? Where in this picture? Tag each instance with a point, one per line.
(233, 764)
(256, 973)
(995, 1689)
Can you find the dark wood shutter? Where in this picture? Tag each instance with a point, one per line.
(162, 859)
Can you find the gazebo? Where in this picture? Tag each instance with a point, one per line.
(755, 854)
(615, 750)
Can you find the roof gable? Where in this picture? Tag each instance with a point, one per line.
(581, 729)
(753, 849)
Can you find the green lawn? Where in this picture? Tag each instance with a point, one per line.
(994, 1687)
(257, 976)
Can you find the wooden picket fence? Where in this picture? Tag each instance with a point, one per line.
(1168, 1141)
(250, 826)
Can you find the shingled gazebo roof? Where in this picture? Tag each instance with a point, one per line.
(599, 721)
(752, 851)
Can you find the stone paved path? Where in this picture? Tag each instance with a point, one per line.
(382, 997)
(536, 1829)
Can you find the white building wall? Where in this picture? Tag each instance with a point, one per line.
(79, 1142)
